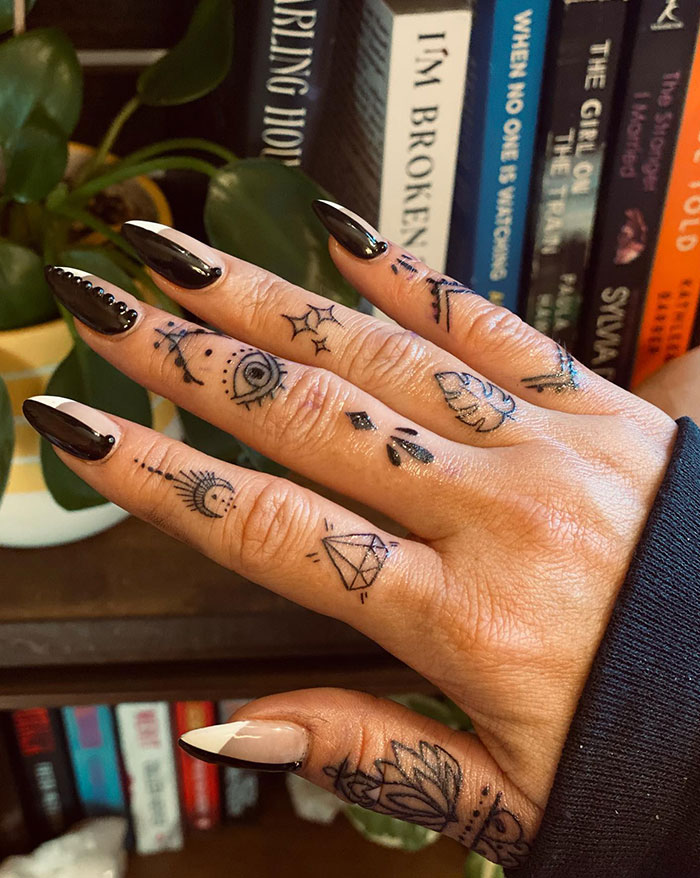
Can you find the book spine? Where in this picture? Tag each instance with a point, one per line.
(93, 751)
(513, 96)
(581, 71)
(290, 56)
(14, 831)
(241, 791)
(147, 749)
(424, 97)
(199, 781)
(635, 190)
(674, 289)
(49, 792)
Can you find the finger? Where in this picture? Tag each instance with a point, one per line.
(269, 530)
(379, 755)
(307, 419)
(415, 377)
(675, 387)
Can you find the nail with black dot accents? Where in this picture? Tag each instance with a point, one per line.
(177, 257)
(263, 745)
(99, 305)
(73, 427)
(349, 230)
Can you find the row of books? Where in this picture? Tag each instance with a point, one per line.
(574, 129)
(62, 765)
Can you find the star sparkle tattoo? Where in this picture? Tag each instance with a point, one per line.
(310, 321)
(564, 378)
(201, 491)
(176, 340)
(362, 421)
(498, 836)
(478, 403)
(441, 291)
(251, 376)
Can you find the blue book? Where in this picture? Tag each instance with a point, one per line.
(93, 752)
(496, 149)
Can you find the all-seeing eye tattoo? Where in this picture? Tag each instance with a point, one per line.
(176, 340)
(201, 490)
(496, 833)
(441, 291)
(251, 376)
(565, 377)
(362, 421)
(310, 321)
(478, 403)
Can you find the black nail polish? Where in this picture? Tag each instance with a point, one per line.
(169, 259)
(356, 237)
(220, 759)
(94, 307)
(66, 432)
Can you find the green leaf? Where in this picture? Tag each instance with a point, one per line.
(99, 262)
(260, 210)
(25, 297)
(86, 377)
(39, 69)
(477, 867)
(36, 159)
(7, 436)
(388, 831)
(197, 64)
(441, 709)
(7, 17)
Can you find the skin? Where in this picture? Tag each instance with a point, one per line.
(519, 537)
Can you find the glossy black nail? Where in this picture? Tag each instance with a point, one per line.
(357, 237)
(220, 759)
(66, 432)
(91, 304)
(171, 260)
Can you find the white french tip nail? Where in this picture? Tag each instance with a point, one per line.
(266, 742)
(76, 271)
(145, 224)
(53, 401)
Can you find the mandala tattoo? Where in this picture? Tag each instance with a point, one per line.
(201, 490)
(420, 786)
(362, 421)
(404, 263)
(564, 378)
(478, 403)
(176, 340)
(252, 375)
(310, 322)
(499, 837)
(441, 290)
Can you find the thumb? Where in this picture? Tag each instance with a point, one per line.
(384, 757)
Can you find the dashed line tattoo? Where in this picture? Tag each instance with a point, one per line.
(404, 263)
(499, 836)
(310, 321)
(201, 490)
(564, 378)
(251, 376)
(176, 340)
(362, 421)
(478, 403)
(441, 291)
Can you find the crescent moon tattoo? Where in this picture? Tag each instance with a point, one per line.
(201, 491)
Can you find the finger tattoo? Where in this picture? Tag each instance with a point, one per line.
(495, 833)
(176, 339)
(565, 377)
(310, 321)
(201, 491)
(441, 291)
(362, 421)
(251, 376)
(478, 403)
(404, 263)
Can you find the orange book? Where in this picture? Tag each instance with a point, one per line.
(674, 287)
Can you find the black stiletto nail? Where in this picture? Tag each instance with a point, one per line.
(94, 307)
(358, 238)
(169, 259)
(221, 759)
(66, 432)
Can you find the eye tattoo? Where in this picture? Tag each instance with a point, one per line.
(175, 339)
(499, 837)
(478, 403)
(404, 263)
(362, 421)
(254, 377)
(421, 786)
(442, 288)
(565, 377)
(201, 490)
(310, 322)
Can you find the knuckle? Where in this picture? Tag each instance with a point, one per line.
(494, 328)
(275, 518)
(385, 352)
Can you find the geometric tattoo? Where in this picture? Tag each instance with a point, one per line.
(176, 338)
(478, 403)
(564, 378)
(256, 375)
(442, 290)
(310, 322)
(362, 421)
(500, 837)
(201, 490)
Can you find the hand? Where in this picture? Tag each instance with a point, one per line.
(675, 387)
(522, 480)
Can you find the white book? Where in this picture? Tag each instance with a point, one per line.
(389, 149)
(146, 741)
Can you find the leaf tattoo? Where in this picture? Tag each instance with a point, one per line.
(478, 403)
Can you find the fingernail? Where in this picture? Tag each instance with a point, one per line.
(177, 257)
(264, 745)
(71, 426)
(99, 305)
(351, 232)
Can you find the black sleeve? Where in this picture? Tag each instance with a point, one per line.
(626, 797)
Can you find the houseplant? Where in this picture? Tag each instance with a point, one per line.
(63, 205)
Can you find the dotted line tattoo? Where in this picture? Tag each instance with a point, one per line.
(478, 403)
(564, 378)
(251, 376)
(499, 837)
(310, 322)
(176, 340)
(362, 421)
(201, 490)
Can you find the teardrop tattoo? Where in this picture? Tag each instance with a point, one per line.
(362, 421)
(176, 340)
(201, 490)
(252, 375)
